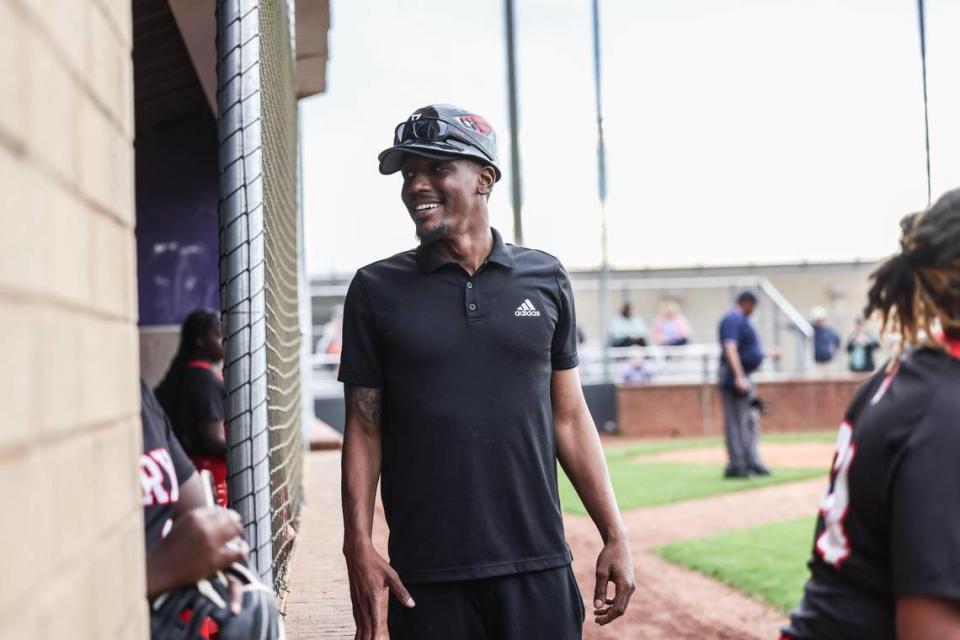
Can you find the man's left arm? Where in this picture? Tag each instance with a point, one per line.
(581, 456)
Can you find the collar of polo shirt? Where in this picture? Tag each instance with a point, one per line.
(429, 260)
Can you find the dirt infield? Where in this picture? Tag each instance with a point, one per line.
(673, 602)
(801, 455)
(670, 602)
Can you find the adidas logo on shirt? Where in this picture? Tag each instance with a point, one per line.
(526, 309)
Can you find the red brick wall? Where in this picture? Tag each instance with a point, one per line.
(695, 409)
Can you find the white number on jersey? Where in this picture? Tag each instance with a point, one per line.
(833, 544)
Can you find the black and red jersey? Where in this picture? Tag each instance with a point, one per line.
(197, 399)
(163, 468)
(889, 525)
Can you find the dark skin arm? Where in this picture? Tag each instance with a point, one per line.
(212, 438)
(196, 547)
(928, 619)
(733, 359)
(581, 456)
(191, 495)
(370, 574)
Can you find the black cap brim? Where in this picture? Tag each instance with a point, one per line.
(392, 159)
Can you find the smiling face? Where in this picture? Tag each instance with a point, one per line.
(442, 196)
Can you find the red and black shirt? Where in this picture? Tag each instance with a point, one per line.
(163, 468)
(889, 527)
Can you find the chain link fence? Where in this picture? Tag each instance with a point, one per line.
(280, 159)
(257, 133)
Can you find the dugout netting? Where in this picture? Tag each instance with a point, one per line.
(257, 133)
(282, 295)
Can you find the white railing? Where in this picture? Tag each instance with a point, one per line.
(682, 363)
(695, 363)
(800, 330)
(685, 363)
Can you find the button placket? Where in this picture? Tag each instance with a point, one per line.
(472, 301)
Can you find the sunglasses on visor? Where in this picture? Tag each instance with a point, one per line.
(432, 130)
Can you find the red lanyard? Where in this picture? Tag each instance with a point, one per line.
(953, 347)
(203, 364)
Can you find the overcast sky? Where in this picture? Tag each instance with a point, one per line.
(737, 130)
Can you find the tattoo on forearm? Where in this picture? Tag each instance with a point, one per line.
(365, 403)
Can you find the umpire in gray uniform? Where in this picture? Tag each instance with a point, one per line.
(741, 355)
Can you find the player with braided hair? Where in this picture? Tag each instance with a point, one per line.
(886, 553)
(920, 285)
(191, 393)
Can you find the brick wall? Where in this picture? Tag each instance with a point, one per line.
(71, 542)
(695, 410)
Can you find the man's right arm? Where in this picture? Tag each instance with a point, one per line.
(733, 359)
(368, 571)
(361, 466)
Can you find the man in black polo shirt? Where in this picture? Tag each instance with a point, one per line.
(459, 360)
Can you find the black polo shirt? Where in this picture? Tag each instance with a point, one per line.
(468, 472)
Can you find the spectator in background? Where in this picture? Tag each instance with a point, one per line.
(331, 342)
(628, 330)
(670, 328)
(581, 335)
(860, 347)
(826, 342)
(637, 370)
(192, 394)
(741, 355)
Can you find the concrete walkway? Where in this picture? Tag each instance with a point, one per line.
(318, 602)
(672, 603)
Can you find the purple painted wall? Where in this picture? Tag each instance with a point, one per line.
(177, 235)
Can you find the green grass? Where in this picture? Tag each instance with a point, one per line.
(641, 483)
(645, 484)
(651, 447)
(768, 561)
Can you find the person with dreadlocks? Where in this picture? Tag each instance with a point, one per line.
(192, 393)
(886, 553)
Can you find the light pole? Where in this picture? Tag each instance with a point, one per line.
(926, 119)
(602, 192)
(515, 184)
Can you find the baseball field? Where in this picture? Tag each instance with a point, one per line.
(715, 558)
(718, 559)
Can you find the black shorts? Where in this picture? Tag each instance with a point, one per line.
(543, 605)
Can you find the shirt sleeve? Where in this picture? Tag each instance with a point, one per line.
(155, 419)
(563, 350)
(925, 512)
(730, 329)
(360, 357)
